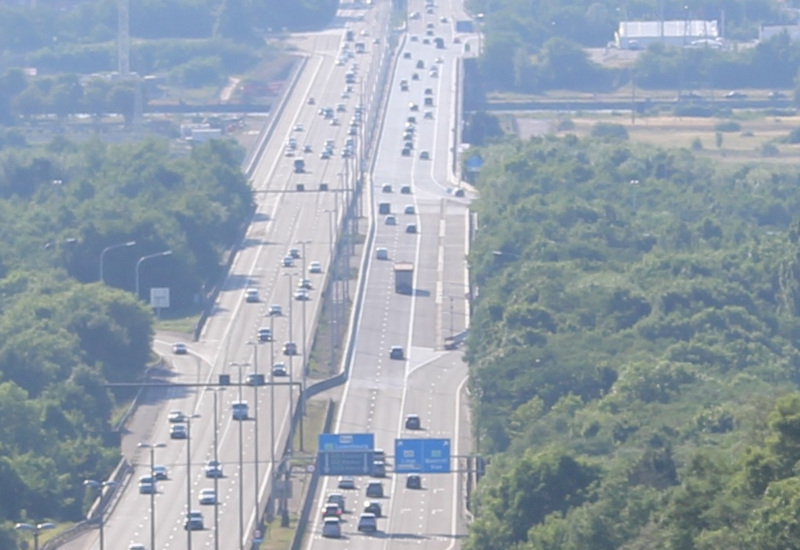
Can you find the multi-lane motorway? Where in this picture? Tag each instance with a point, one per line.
(380, 391)
(430, 382)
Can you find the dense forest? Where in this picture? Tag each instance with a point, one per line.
(64, 334)
(633, 349)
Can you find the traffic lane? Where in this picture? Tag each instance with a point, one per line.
(434, 391)
(427, 328)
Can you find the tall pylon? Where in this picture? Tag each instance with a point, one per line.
(123, 39)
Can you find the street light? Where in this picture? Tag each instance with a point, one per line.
(216, 389)
(240, 366)
(189, 476)
(100, 485)
(35, 529)
(256, 383)
(291, 370)
(142, 259)
(152, 447)
(112, 247)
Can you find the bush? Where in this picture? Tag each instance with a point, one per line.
(793, 137)
(606, 130)
(697, 144)
(769, 150)
(728, 126)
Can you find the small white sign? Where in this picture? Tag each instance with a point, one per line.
(159, 298)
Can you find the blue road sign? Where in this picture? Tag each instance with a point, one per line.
(422, 456)
(345, 454)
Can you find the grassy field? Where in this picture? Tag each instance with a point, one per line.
(742, 145)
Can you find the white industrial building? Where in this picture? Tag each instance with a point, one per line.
(638, 35)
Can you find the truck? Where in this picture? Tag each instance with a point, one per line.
(299, 166)
(404, 277)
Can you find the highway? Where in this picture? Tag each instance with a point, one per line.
(285, 218)
(430, 382)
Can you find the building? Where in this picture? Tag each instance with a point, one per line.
(638, 35)
(768, 31)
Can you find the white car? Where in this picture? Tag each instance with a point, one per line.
(176, 416)
(301, 294)
(179, 348)
(298, 128)
(208, 496)
(315, 267)
(251, 295)
(347, 482)
(275, 309)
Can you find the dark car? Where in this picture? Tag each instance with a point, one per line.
(413, 422)
(373, 507)
(414, 482)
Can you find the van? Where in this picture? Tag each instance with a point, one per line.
(240, 410)
(331, 528)
(367, 523)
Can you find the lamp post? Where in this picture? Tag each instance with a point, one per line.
(272, 411)
(216, 389)
(35, 529)
(152, 447)
(189, 477)
(291, 371)
(240, 366)
(144, 258)
(100, 485)
(255, 411)
(108, 248)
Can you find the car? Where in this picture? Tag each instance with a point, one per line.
(178, 431)
(390, 220)
(386, 188)
(264, 334)
(379, 454)
(456, 40)
(382, 253)
(213, 469)
(411, 228)
(413, 481)
(373, 507)
(735, 95)
(334, 122)
(307, 148)
(428, 91)
(325, 155)
(160, 472)
(374, 489)
(290, 348)
(430, 10)
(414, 38)
(298, 128)
(396, 352)
(420, 64)
(331, 510)
(147, 485)
(776, 95)
(406, 55)
(429, 32)
(459, 193)
(315, 267)
(443, 19)
(367, 523)
(434, 73)
(405, 190)
(240, 410)
(378, 468)
(331, 528)
(311, 101)
(208, 496)
(346, 482)
(427, 41)
(409, 209)
(340, 108)
(413, 422)
(338, 498)
(251, 295)
(136, 546)
(194, 521)
(275, 309)
(179, 348)
(301, 294)
(304, 284)
(424, 155)
(176, 416)
(428, 115)
(415, 15)
(279, 369)
(287, 261)
(254, 379)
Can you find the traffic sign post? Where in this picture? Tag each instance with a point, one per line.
(345, 454)
(422, 456)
